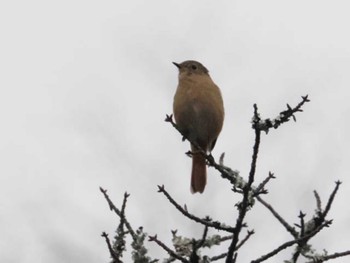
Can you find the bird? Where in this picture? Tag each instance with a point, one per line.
(198, 110)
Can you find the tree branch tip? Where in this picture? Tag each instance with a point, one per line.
(152, 238)
(338, 182)
(255, 110)
(301, 214)
(168, 118)
(126, 195)
(103, 190)
(104, 234)
(161, 188)
(251, 232)
(305, 98)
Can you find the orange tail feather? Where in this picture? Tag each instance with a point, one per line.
(199, 173)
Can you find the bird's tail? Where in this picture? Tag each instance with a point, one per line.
(199, 173)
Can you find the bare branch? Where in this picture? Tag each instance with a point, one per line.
(206, 222)
(114, 256)
(201, 242)
(331, 256)
(260, 189)
(221, 256)
(302, 223)
(119, 242)
(290, 243)
(167, 249)
(244, 240)
(288, 227)
(318, 201)
(331, 199)
(112, 207)
(284, 116)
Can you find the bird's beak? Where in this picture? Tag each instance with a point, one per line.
(177, 65)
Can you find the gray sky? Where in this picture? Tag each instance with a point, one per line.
(84, 89)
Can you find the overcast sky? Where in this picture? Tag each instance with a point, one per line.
(84, 89)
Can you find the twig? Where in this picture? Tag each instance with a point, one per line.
(119, 243)
(112, 207)
(331, 199)
(205, 222)
(167, 249)
(225, 238)
(201, 242)
(244, 240)
(318, 201)
(283, 117)
(332, 256)
(288, 227)
(221, 256)
(302, 223)
(114, 256)
(260, 189)
(290, 243)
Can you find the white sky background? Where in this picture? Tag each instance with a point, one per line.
(84, 89)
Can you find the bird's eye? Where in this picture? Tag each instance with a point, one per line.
(194, 67)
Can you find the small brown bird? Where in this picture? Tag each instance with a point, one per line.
(199, 113)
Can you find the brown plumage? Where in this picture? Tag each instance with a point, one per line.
(199, 113)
